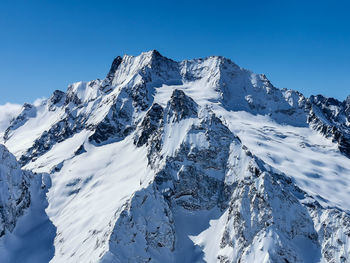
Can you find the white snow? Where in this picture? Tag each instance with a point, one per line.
(88, 190)
(209, 239)
(313, 161)
(8, 111)
(23, 137)
(32, 240)
(87, 194)
(174, 135)
(59, 153)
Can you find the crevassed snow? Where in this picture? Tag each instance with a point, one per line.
(313, 161)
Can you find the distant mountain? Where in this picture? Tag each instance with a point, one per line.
(165, 161)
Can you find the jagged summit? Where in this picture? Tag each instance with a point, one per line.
(181, 106)
(115, 64)
(179, 161)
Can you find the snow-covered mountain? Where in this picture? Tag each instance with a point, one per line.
(165, 161)
(7, 112)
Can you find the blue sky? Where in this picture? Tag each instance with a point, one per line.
(45, 45)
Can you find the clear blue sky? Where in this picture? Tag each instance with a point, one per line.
(45, 45)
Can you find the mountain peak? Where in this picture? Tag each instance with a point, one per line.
(181, 106)
(153, 53)
(115, 64)
(181, 162)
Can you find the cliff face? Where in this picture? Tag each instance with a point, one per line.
(192, 161)
(15, 195)
(26, 232)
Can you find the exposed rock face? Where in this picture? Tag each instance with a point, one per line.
(331, 117)
(26, 233)
(181, 106)
(15, 190)
(166, 161)
(144, 228)
(15, 195)
(150, 124)
(261, 209)
(57, 99)
(28, 111)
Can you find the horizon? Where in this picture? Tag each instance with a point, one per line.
(56, 44)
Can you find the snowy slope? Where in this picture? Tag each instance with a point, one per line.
(27, 234)
(191, 161)
(7, 112)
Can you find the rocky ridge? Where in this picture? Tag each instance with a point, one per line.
(174, 116)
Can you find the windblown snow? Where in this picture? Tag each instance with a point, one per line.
(165, 161)
(7, 112)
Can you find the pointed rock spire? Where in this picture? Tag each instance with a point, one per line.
(115, 64)
(181, 106)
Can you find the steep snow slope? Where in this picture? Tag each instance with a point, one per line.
(27, 234)
(311, 160)
(192, 161)
(94, 184)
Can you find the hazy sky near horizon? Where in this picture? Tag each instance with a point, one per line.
(45, 45)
